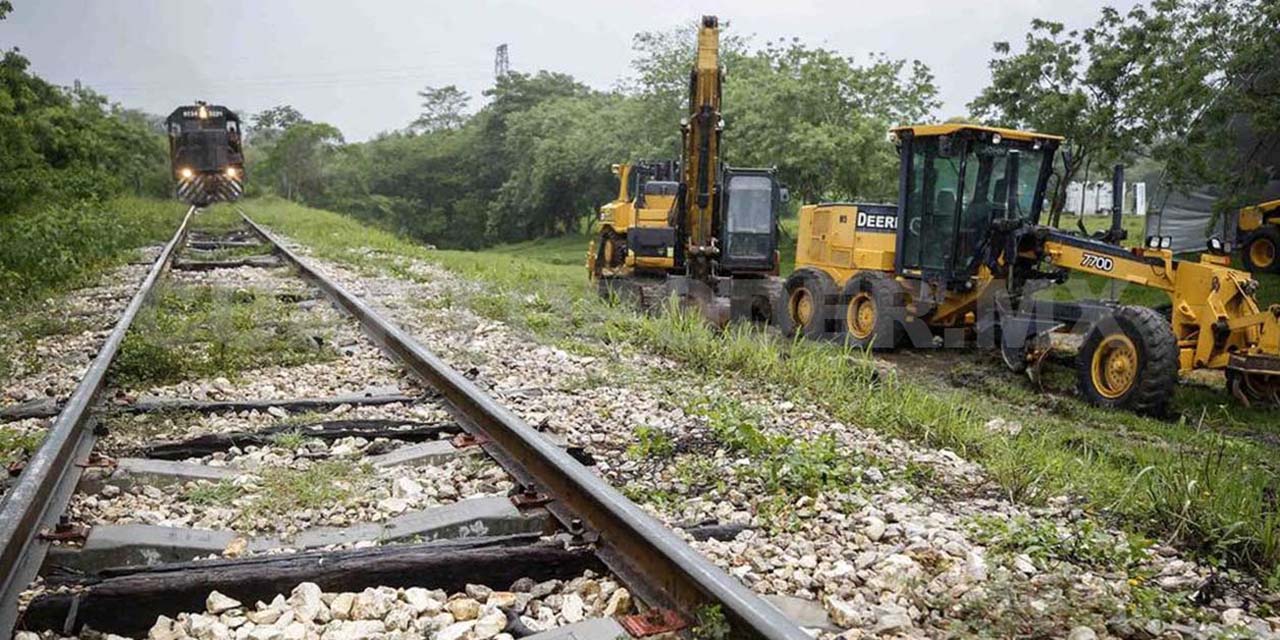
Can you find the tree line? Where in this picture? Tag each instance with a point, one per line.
(534, 160)
(1172, 82)
(65, 154)
(63, 145)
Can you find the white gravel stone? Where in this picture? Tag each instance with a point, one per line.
(217, 603)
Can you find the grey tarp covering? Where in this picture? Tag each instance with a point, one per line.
(1186, 218)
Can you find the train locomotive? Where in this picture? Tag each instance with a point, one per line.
(205, 153)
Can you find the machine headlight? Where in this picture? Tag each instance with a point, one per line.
(231, 172)
(1153, 242)
(1166, 242)
(1215, 245)
(186, 172)
(995, 138)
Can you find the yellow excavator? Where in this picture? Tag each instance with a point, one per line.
(1259, 237)
(959, 260)
(695, 228)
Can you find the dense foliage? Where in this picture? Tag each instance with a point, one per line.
(67, 145)
(534, 160)
(1181, 81)
(65, 157)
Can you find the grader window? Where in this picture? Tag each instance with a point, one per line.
(931, 207)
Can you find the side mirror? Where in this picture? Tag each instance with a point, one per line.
(785, 194)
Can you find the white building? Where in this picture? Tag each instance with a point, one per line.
(1096, 198)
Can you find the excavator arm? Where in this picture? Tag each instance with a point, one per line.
(701, 132)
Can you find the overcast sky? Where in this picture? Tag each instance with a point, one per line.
(357, 64)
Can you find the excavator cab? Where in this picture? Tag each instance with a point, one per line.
(954, 186)
(750, 202)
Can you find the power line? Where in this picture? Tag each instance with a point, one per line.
(344, 78)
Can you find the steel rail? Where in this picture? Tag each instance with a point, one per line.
(662, 568)
(44, 488)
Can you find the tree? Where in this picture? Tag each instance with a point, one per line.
(443, 108)
(300, 158)
(1211, 93)
(1192, 83)
(69, 145)
(822, 118)
(1070, 84)
(270, 124)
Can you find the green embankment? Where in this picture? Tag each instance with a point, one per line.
(48, 251)
(55, 249)
(1205, 480)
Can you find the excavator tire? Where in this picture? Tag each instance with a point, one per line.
(873, 311)
(1261, 251)
(809, 303)
(1129, 360)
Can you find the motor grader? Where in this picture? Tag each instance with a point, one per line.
(1259, 237)
(696, 228)
(959, 259)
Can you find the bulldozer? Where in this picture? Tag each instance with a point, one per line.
(959, 260)
(696, 229)
(1259, 237)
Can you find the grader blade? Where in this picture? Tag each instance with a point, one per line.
(1254, 379)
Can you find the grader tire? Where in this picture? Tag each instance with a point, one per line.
(1129, 360)
(1261, 251)
(808, 294)
(873, 311)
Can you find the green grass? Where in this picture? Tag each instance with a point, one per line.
(46, 252)
(218, 220)
(189, 332)
(17, 445)
(282, 491)
(1134, 226)
(566, 250)
(57, 249)
(1198, 481)
(324, 484)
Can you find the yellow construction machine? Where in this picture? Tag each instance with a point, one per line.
(1259, 237)
(694, 228)
(958, 261)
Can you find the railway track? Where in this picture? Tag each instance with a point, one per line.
(434, 511)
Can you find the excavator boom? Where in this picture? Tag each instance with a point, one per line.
(701, 130)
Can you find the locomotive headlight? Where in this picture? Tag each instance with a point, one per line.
(185, 172)
(231, 172)
(204, 113)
